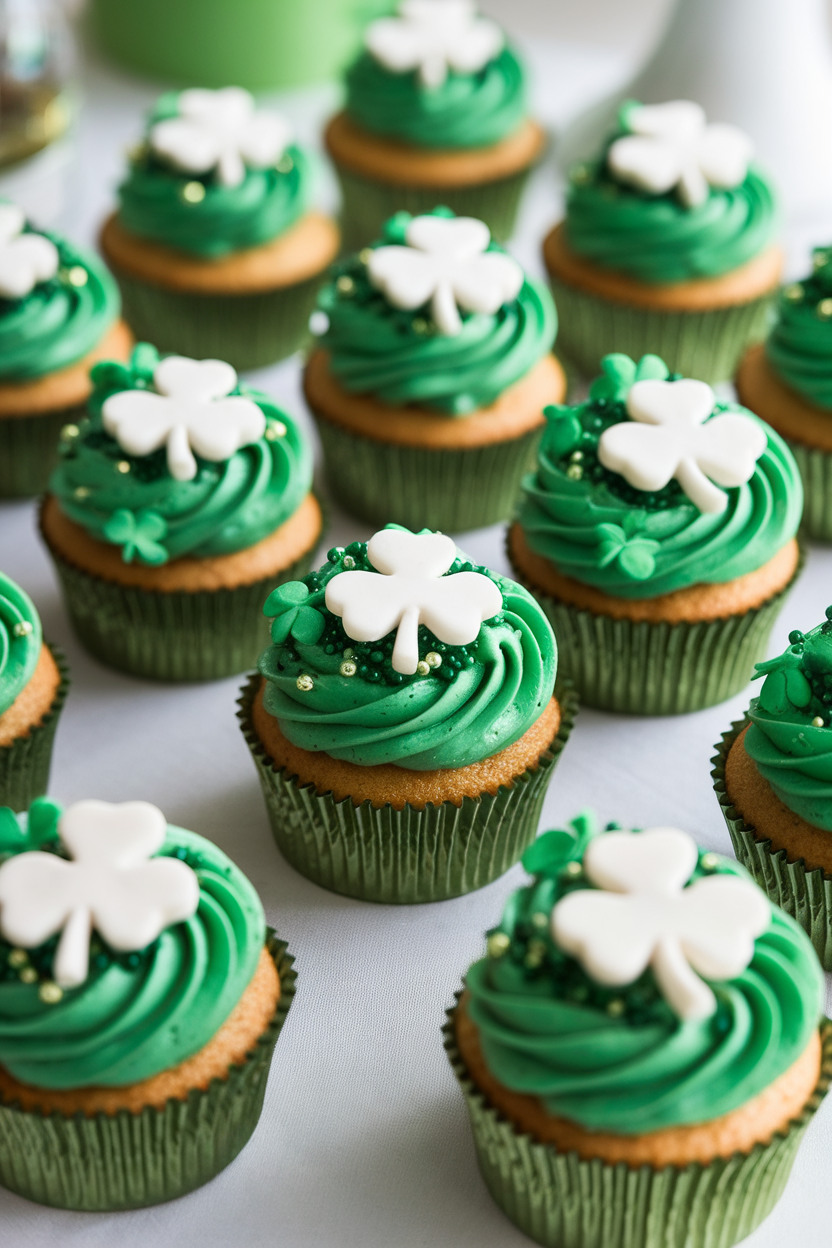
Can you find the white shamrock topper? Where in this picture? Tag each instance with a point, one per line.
(434, 36)
(25, 259)
(410, 591)
(642, 915)
(445, 261)
(221, 130)
(112, 884)
(191, 411)
(668, 437)
(672, 146)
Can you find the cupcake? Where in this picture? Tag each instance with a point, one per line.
(141, 995)
(667, 245)
(788, 382)
(658, 533)
(33, 685)
(429, 383)
(773, 778)
(214, 244)
(404, 723)
(435, 112)
(59, 313)
(643, 1046)
(176, 507)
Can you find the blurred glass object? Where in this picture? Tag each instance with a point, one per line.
(35, 66)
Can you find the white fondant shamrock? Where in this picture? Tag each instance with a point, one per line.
(670, 145)
(642, 915)
(669, 437)
(25, 259)
(445, 261)
(111, 885)
(190, 412)
(221, 130)
(433, 37)
(412, 590)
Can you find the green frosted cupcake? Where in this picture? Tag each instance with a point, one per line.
(435, 112)
(141, 996)
(404, 724)
(643, 1046)
(429, 383)
(33, 685)
(177, 506)
(215, 245)
(658, 533)
(59, 313)
(667, 245)
(773, 778)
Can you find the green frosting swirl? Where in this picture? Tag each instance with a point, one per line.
(467, 110)
(20, 641)
(617, 1059)
(142, 1013)
(655, 238)
(60, 320)
(228, 506)
(595, 527)
(799, 347)
(155, 204)
(475, 702)
(401, 357)
(790, 738)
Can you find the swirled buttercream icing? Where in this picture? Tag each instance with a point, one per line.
(617, 1056)
(20, 641)
(136, 501)
(401, 356)
(632, 542)
(136, 1012)
(799, 347)
(448, 702)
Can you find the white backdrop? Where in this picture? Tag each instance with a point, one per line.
(364, 1141)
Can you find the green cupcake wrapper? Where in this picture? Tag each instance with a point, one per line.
(816, 471)
(560, 1201)
(407, 856)
(449, 490)
(805, 895)
(25, 763)
(29, 449)
(366, 204)
(646, 668)
(706, 345)
(248, 331)
(176, 636)
(130, 1160)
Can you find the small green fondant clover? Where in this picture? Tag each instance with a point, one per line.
(293, 617)
(550, 853)
(635, 555)
(139, 535)
(563, 430)
(785, 687)
(619, 373)
(41, 826)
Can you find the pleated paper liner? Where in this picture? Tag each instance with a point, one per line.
(646, 668)
(29, 450)
(248, 331)
(25, 763)
(705, 345)
(402, 856)
(816, 471)
(449, 490)
(805, 895)
(176, 636)
(366, 204)
(130, 1160)
(560, 1201)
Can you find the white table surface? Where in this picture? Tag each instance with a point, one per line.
(364, 1139)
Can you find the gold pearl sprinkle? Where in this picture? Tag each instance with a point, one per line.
(817, 722)
(77, 275)
(433, 659)
(573, 868)
(348, 562)
(536, 953)
(348, 653)
(574, 472)
(616, 1007)
(23, 629)
(576, 457)
(122, 466)
(28, 975)
(498, 944)
(348, 668)
(69, 432)
(275, 430)
(419, 325)
(794, 292)
(824, 309)
(820, 259)
(305, 683)
(18, 957)
(285, 164)
(345, 285)
(192, 192)
(81, 491)
(50, 993)
(365, 255)
(710, 862)
(423, 668)
(540, 919)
